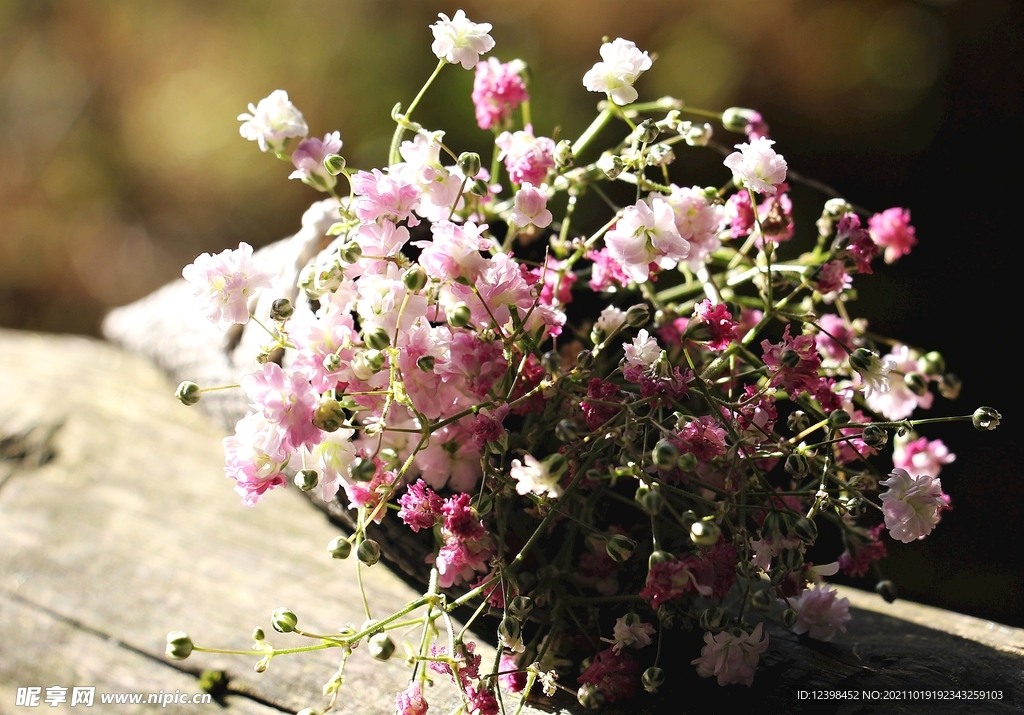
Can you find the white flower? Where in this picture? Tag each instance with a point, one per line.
(630, 631)
(272, 121)
(459, 40)
(644, 351)
(535, 477)
(224, 283)
(623, 63)
(610, 320)
(756, 166)
(873, 370)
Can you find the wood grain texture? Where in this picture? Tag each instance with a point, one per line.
(131, 530)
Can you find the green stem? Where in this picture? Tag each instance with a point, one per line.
(403, 119)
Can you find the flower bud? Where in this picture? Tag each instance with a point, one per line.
(415, 279)
(381, 646)
(590, 697)
(761, 600)
(805, 529)
(705, 533)
(916, 382)
(887, 590)
(714, 619)
(188, 393)
(339, 548)
(368, 552)
(329, 415)
(687, 461)
(281, 309)
(479, 187)
(986, 418)
(652, 679)
(647, 131)
(551, 361)
(510, 634)
(687, 518)
(875, 436)
(308, 711)
(556, 465)
(736, 119)
(563, 154)
(426, 363)
(933, 364)
(796, 464)
(839, 418)
(459, 316)
(612, 166)
(566, 430)
(261, 664)
(798, 421)
(638, 315)
(469, 164)
(378, 339)
(584, 359)
(791, 559)
(862, 360)
(790, 358)
(789, 617)
(949, 386)
(520, 607)
(258, 634)
(332, 362)
(362, 469)
(283, 620)
(179, 645)
(334, 163)
(659, 557)
(306, 479)
(665, 454)
(650, 499)
(350, 252)
(619, 548)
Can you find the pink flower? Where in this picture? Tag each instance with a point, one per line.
(864, 553)
(481, 701)
(511, 676)
(646, 234)
(615, 675)
(756, 166)
(833, 338)
(891, 229)
(911, 506)
(922, 457)
(455, 251)
(606, 273)
(497, 91)
(803, 375)
(224, 283)
(732, 659)
(411, 701)
(720, 323)
(421, 507)
(308, 159)
(621, 66)
(254, 470)
(382, 197)
(643, 352)
(527, 158)
(672, 579)
(899, 401)
(460, 41)
(833, 278)
(531, 207)
(287, 401)
(819, 614)
(698, 220)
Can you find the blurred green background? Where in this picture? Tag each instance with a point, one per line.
(120, 160)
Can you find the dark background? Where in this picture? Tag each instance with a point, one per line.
(120, 160)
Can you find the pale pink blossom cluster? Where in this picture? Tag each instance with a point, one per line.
(756, 166)
(731, 658)
(646, 234)
(819, 613)
(911, 505)
(224, 284)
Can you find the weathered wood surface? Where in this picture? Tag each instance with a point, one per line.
(131, 530)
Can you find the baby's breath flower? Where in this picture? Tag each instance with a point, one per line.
(460, 41)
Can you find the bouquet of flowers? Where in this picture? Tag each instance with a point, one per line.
(608, 435)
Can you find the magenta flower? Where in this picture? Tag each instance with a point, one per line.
(410, 701)
(527, 158)
(891, 229)
(497, 91)
(922, 456)
(911, 506)
(730, 658)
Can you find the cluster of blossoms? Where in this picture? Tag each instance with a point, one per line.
(679, 446)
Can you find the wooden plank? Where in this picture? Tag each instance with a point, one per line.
(42, 650)
(133, 531)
